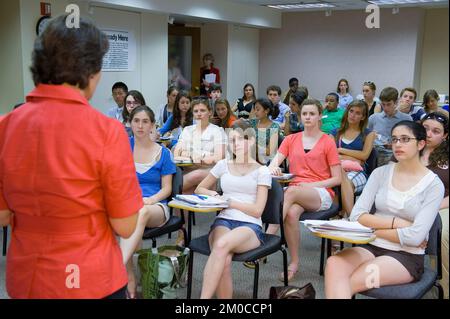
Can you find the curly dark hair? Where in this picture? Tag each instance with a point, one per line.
(68, 55)
(176, 122)
(439, 156)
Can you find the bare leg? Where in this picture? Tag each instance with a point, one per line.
(238, 240)
(347, 194)
(339, 269)
(225, 288)
(149, 216)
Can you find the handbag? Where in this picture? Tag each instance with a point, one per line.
(163, 270)
(293, 292)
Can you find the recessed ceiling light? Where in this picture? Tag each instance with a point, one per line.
(301, 6)
(390, 2)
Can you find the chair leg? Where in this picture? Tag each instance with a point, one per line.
(329, 247)
(285, 266)
(193, 219)
(190, 273)
(322, 256)
(255, 280)
(5, 239)
(440, 290)
(342, 245)
(186, 244)
(153, 243)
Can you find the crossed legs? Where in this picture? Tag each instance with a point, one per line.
(356, 269)
(217, 273)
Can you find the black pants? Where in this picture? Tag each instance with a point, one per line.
(119, 294)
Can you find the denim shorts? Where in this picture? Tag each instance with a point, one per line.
(232, 224)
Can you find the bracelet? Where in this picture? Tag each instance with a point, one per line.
(392, 226)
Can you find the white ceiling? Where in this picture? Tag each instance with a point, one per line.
(339, 4)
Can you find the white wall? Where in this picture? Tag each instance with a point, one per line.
(121, 21)
(30, 13)
(243, 60)
(435, 57)
(11, 81)
(319, 50)
(214, 10)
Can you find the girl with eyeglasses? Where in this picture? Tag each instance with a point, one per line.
(133, 99)
(407, 196)
(238, 228)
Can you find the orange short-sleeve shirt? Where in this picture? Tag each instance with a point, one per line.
(64, 166)
(313, 166)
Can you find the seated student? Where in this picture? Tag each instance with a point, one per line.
(204, 143)
(181, 117)
(332, 115)
(406, 104)
(431, 102)
(369, 96)
(119, 91)
(244, 105)
(292, 117)
(216, 93)
(133, 99)
(293, 87)
(314, 161)
(407, 196)
(435, 157)
(166, 110)
(154, 169)
(274, 95)
(343, 90)
(354, 142)
(382, 123)
(223, 116)
(236, 229)
(267, 131)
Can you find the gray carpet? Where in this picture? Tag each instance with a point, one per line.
(242, 276)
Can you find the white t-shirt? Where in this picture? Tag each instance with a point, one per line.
(240, 188)
(198, 143)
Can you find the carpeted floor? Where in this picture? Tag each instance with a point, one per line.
(242, 276)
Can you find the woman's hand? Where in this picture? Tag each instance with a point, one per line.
(275, 171)
(149, 201)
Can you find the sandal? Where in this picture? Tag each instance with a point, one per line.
(291, 275)
(251, 264)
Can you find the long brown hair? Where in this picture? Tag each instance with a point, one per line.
(176, 122)
(362, 124)
(224, 123)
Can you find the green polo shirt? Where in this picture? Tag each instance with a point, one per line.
(331, 120)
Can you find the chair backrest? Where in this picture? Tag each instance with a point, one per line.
(271, 214)
(177, 182)
(372, 161)
(434, 239)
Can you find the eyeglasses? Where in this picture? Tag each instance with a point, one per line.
(403, 139)
(436, 116)
(133, 103)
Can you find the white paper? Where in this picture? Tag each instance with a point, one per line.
(121, 55)
(285, 176)
(340, 225)
(210, 78)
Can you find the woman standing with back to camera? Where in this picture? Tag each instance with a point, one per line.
(67, 179)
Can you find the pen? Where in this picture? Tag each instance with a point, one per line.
(201, 197)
